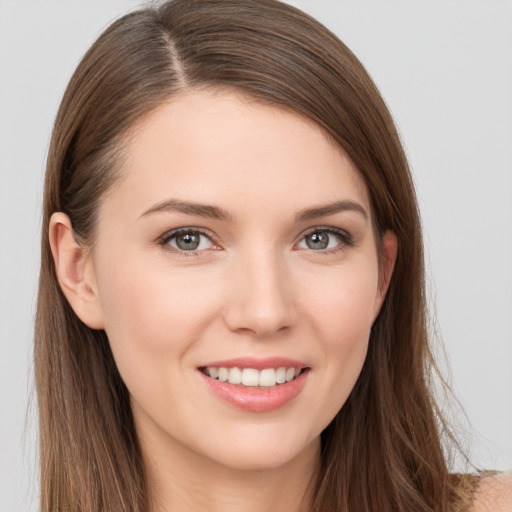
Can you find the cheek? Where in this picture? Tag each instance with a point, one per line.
(341, 313)
(153, 314)
(342, 303)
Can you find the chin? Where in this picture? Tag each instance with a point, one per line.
(266, 452)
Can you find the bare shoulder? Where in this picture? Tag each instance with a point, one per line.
(494, 494)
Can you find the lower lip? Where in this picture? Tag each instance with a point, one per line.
(257, 399)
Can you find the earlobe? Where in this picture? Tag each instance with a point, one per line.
(389, 251)
(75, 271)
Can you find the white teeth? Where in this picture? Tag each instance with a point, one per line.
(281, 375)
(269, 377)
(290, 374)
(235, 376)
(250, 377)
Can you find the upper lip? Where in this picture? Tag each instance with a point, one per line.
(257, 363)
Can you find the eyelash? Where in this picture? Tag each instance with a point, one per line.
(346, 240)
(171, 235)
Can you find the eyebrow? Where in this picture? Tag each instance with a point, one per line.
(215, 212)
(190, 208)
(330, 209)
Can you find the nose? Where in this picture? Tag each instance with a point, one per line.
(261, 299)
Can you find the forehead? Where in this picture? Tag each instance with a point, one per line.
(216, 146)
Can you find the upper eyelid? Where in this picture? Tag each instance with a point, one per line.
(173, 232)
(329, 229)
(324, 228)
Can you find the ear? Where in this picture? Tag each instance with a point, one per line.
(75, 271)
(389, 251)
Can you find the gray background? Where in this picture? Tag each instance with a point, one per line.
(445, 69)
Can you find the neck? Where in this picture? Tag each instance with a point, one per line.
(184, 481)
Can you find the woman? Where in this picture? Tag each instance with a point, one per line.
(231, 311)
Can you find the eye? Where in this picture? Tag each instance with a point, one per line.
(325, 239)
(188, 240)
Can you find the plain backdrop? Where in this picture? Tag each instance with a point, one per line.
(445, 69)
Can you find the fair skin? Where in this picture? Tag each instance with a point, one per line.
(274, 268)
(494, 494)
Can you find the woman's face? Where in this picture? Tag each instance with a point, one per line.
(238, 244)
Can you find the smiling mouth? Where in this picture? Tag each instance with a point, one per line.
(251, 377)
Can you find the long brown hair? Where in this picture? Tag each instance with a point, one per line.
(383, 451)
